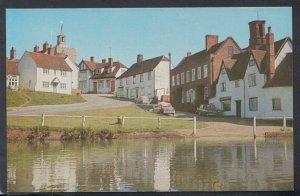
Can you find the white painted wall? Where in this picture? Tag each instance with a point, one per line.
(162, 79)
(288, 47)
(85, 76)
(28, 72)
(75, 72)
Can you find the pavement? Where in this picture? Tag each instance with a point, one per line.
(93, 102)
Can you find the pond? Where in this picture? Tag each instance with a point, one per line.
(205, 164)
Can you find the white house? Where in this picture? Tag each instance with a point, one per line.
(44, 72)
(257, 82)
(149, 78)
(97, 77)
(12, 72)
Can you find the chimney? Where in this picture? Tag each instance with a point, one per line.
(188, 54)
(36, 48)
(139, 58)
(103, 60)
(92, 58)
(257, 34)
(12, 54)
(211, 40)
(270, 54)
(45, 46)
(110, 61)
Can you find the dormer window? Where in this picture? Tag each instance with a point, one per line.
(251, 62)
(223, 71)
(230, 50)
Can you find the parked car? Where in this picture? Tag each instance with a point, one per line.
(164, 108)
(209, 110)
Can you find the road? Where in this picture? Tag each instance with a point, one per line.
(93, 101)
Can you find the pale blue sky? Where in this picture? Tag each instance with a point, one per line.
(149, 31)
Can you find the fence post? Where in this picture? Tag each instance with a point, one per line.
(83, 120)
(123, 121)
(43, 120)
(284, 122)
(194, 125)
(158, 122)
(254, 126)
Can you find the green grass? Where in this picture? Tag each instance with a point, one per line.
(27, 98)
(110, 124)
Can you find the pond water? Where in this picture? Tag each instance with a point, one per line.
(151, 165)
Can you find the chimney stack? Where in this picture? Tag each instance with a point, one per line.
(188, 54)
(110, 61)
(139, 58)
(45, 46)
(270, 54)
(36, 48)
(92, 58)
(211, 40)
(12, 54)
(257, 34)
(103, 60)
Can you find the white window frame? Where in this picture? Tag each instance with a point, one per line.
(252, 80)
(188, 75)
(108, 85)
(251, 62)
(205, 93)
(182, 78)
(45, 84)
(223, 87)
(237, 83)
(150, 75)
(133, 79)
(276, 107)
(63, 86)
(177, 79)
(141, 78)
(253, 105)
(199, 75)
(63, 73)
(205, 71)
(193, 75)
(46, 71)
(173, 80)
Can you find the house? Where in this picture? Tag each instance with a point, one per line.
(192, 78)
(44, 72)
(148, 78)
(257, 81)
(97, 77)
(12, 72)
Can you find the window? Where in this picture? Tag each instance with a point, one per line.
(205, 71)
(188, 97)
(13, 81)
(121, 82)
(183, 94)
(253, 104)
(45, 84)
(230, 50)
(101, 84)
(182, 78)
(223, 71)
(127, 81)
(46, 71)
(205, 92)
(226, 105)
(177, 79)
(187, 76)
(63, 85)
(223, 87)
(276, 104)
(173, 80)
(141, 77)
(237, 83)
(252, 80)
(134, 79)
(63, 73)
(107, 83)
(193, 74)
(199, 73)
(82, 84)
(251, 62)
(149, 75)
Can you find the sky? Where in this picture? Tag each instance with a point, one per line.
(122, 33)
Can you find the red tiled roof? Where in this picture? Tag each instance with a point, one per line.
(283, 73)
(49, 62)
(143, 67)
(92, 65)
(11, 67)
(105, 73)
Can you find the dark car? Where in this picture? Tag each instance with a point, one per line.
(209, 110)
(164, 108)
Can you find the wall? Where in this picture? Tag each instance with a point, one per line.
(162, 79)
(75, 72)
(84, 76)
(288, 47)
(27, 69)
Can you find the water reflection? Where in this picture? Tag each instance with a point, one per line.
(151, 165)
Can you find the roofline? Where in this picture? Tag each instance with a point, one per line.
(225, 40)
(285, 40)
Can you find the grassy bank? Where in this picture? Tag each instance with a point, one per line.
(99, 123)
(27, 98)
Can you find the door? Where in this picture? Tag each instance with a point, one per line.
(95, 87)
(55, 87)
(136, 92)
(238, 108)
(113, 86)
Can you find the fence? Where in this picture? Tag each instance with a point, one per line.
(121, 120)
(284, 118)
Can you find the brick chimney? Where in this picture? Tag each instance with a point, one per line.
(12, 54)
(103, 60)
(92, 58)
(110, 61)
(139, 58)
(257, 34)
(188, 54)
(211, 40)
(45, 46)
(36, 48)
(270, 54)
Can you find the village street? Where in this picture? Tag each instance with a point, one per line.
(93, 102)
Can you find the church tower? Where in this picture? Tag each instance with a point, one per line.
(61, 39)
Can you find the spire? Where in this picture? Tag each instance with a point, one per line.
(61, 26)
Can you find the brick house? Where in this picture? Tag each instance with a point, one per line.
(12, 71)
(192, 78)
(257, 81)
(95, 77)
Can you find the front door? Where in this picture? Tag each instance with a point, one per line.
(55, 87)
(238, 108)
(95, 87)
